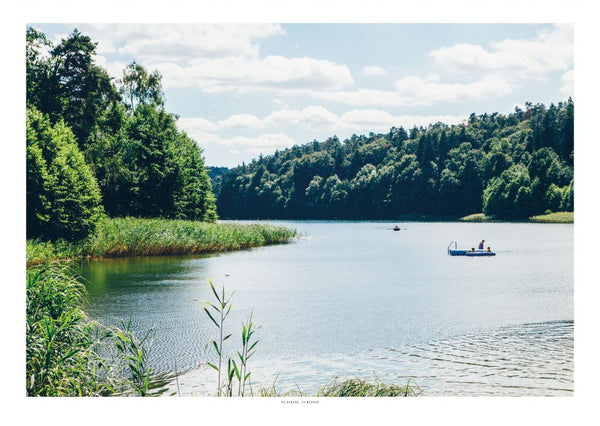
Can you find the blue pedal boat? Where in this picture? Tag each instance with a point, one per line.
(469, 253)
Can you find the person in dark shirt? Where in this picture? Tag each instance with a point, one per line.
(481, 244)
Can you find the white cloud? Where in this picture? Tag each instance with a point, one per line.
(413, 91)
(367, 118)
(550, 50)
(241, 74)
(312, 122)
(429, 91)
(373, 71)
(265, 143)
(313, 118)
(211, 57)
(358, 97)
(164, 42)
(241, 121)
(197, 124)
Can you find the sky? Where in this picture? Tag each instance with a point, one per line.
(241, 90)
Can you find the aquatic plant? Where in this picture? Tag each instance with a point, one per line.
(357, 387)
(125, 237)
(60, 340)
(234, 370)
(222, 309)
(248, 346)
(557, 217)
(134, 354)
(69, 355)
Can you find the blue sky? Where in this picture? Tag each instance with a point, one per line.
(245, 89)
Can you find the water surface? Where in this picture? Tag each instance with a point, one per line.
(358, 299)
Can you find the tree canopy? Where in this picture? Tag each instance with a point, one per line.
(125, 148)
(63, 198)
(510, 166)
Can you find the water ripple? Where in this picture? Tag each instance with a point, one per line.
(524, 360)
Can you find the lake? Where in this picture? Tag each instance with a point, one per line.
(357, 299)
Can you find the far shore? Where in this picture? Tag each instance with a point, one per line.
(557, 217)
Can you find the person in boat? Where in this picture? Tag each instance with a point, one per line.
(481, 244)
(488, 249)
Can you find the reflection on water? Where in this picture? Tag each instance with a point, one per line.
(356, 298)
(531, 359)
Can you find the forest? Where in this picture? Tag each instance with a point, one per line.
(102, 147)
(508, 166)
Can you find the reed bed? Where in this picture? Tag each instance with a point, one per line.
(476, 217)
(159, 237)
(557, 217)
(126, 237)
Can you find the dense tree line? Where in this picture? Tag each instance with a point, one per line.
(99, 146)
(509, 166)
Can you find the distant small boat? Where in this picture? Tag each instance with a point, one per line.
(470, 253)
(396, 228)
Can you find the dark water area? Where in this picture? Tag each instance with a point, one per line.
(356, 299)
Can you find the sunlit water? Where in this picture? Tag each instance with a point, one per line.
(356, 299)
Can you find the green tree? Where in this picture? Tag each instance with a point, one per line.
(82, 89)
(140, 87)
(509, 196)
(37, 68)
(168, 177)
(567, 201)
(63, 199)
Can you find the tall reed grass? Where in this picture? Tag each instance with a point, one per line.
(68, 355)
(125, 237)
(234, 369)
(359, 387)
(557, 217)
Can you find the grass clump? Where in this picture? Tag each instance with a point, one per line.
(476, 217)
(68, 355)
(364, 388)
(352, 387)
(557, 217)
(126, 237)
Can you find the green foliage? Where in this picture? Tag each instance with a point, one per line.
(66, 84)
(63, 199)
(157, 237)
(134, 353)
(68, 355)
(144, 166)
(440, 171)
(220, 312)
(365, 388)
(139, 87)
(476, 217)
(558, 217)
(510, 193)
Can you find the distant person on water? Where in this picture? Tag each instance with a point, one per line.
(481, 244)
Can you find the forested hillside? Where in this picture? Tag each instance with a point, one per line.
(507, 166)
(98, 146)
